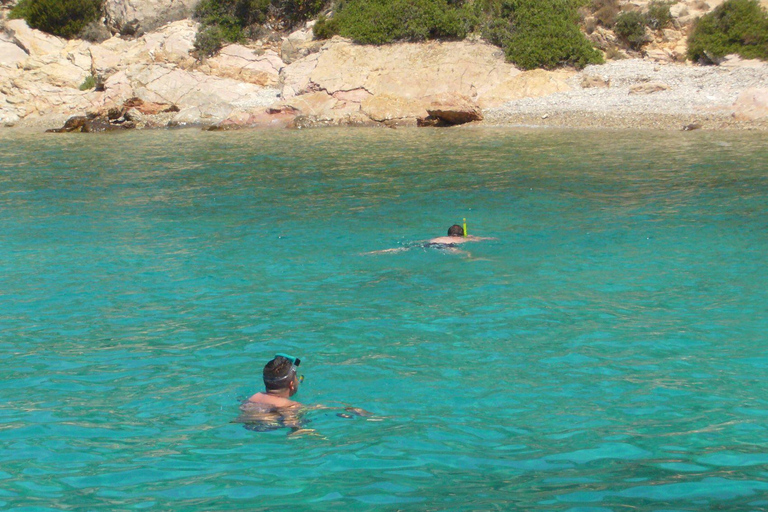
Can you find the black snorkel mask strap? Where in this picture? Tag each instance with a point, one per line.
(295, 362)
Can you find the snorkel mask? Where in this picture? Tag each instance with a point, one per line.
(295, 362)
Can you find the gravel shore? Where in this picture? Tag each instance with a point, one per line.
(697, 97)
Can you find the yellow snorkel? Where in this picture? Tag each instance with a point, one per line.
(465, 227)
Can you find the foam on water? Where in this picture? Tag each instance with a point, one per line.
(607, 351)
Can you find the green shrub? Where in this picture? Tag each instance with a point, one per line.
(232, 21)
(386, 21)
(736, 26)
(95, 32)
(658, 15)
(498, 31)
(630, 27)
(64, 18)
(546, 35)
(294, 12)
(325, 28)
(88, 83)
(534, 33)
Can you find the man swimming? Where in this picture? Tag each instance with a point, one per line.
(446, 243)
(274, 409)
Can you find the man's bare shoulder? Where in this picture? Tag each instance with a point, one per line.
(273, 401)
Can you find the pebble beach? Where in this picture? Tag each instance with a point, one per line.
(697, 97)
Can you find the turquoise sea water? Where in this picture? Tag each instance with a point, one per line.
(607, 353)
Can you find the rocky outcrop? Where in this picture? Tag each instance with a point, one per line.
(299, 44)
(450, 110)
(396, 84)
(171, 44)
(202, 99)
(135, 17)
(648, 88)
(752, 104)
(257, 67)
(42, 76)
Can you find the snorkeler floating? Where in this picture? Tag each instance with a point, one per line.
(456, 235)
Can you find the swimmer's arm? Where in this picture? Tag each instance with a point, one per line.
(357, 411)
(472, 238)
(385, 251)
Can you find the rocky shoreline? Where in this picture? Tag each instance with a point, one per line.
(154, 81)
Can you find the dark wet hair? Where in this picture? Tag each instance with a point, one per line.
(455, 230)
(276, 372)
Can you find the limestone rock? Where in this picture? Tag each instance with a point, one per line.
(170, 44)
(10, 53)
(648, 88)
(269, 118)
(659, 55)
(735, 61)
(134, 17)
(398, 81)
(603, 38)
(452, 109)
(299, 44)
(295, 79)
(33, 42)
(751, 104)
(384, 108)
(536, 83)
(588, 81)
(412, 70)
(200, 98)
(245, 65)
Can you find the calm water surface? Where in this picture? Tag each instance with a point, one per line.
(607, 353)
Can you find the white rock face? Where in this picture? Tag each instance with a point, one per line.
(11, 53)
(33, 41)
(399, 81)
(200, 97)
(246, 65)
(170, 44)
(135, 17)
(299, 44)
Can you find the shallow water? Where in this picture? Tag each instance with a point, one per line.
(607, 352)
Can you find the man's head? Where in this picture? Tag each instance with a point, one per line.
(280, 374)
(455, 230)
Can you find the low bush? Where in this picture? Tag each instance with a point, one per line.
(325, 28)
(95, 32)
(88, 83)
(232, 21)
(533, 33)
(658, 15)
(546, 35)
(630, 27)
(736, 26)
(386, 21)
(64, 18)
